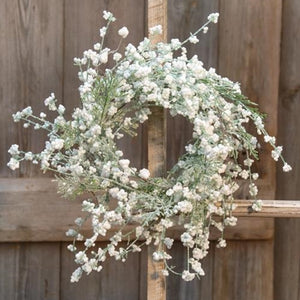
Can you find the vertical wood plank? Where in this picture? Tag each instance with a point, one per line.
(287, 260)
(29, 271)
(82, 22)
(31, 62)
(244, 271)
(287, 237)
(156, 282)
(116, 281)
(185, 17)
(177, 289)
(249, 48)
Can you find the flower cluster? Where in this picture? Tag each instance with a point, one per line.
(199, 189)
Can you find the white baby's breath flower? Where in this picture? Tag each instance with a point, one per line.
(76, 275)
(257, 205)
(61, 109)
(276, 153)
(102, 33)
(28, 156)
(175, 44)
(117, 56)
(198, 253)
(187, 239)
(221, 243)
(124, 163)
(169, 192)
(184, 206)
(155, 30)
(253, 189)
(112, 110)
(97, 46)
(168, 242)
(270, 139)
(108, 16)
(14, 150)
(57, 144)
(103, 57)
(213, 17)
(286, 167)
(50, 102)
(77, 61)
(144, 173)
(187, 276)
(193, 39)
(119, 153)
(13, 164)
(123, 32)
(71, 248)
(248, 162)
(197, 267)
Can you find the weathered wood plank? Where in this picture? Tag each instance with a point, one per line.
(249, 52)
(177, 289)
(156, 282)
(185, 17)
(270, 209)
(244, 270)
(287, 260)
(31, 64)
(116, 281)
(82, 22)
(29, 271)
(245, 56)
(287, 237)
(22, 200)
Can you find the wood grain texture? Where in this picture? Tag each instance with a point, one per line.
(249, 48)
(29, 271)
(31, 63)
(31, 49)
(287, 260)
(244, 271)
(177, 289)
(270, 209)
(116, 281)
(22, 200)
(156, 282)
(185, 17)
(82, 22)
(287, 237)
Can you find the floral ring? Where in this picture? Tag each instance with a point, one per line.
(83, 151)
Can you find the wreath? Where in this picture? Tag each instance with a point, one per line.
(198, 191)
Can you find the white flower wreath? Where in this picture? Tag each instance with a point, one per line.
(83, 152)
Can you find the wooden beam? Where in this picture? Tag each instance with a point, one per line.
(156, 282)
(31, 210)
(270, 209)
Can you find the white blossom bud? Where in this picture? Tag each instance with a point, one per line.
(144, 173)
(123, 32)
(213, 17)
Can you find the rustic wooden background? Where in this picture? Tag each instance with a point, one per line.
(256, 43)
